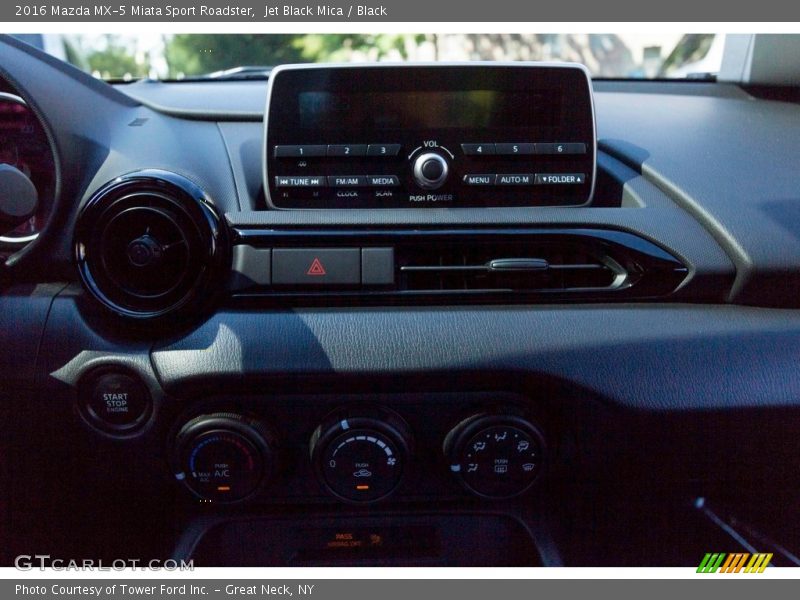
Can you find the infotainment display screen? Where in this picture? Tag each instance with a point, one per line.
(411, 135)
(463, 109)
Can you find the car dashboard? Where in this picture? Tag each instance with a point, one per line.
(246, 347)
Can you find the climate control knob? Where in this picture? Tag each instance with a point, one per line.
(223, 457)
(430, 170)
(361, 457)
(495, 455)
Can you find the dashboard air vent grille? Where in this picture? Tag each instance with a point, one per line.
(148, 244)
(505, 267)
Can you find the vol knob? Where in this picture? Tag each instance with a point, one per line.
(430, 171)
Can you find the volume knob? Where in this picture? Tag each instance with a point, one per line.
(430, 171)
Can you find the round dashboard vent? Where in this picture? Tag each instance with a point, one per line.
(148, 244)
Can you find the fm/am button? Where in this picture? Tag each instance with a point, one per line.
(347, 181)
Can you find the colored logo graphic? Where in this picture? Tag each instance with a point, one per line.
(734, 563)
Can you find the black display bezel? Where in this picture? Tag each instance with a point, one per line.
(569, 83)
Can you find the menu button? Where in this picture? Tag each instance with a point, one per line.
(479, 179)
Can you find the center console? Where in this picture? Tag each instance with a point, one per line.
(400, 136)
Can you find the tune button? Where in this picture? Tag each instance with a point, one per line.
(300, 181)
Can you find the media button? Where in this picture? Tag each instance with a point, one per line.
(383, 180)
(311, 151)
(478, 149)
(560, 178)
(347, 180)
(515, 179)
(514, 149)
(347, 150)
(300, 181)
(383, 150)
(488, 179)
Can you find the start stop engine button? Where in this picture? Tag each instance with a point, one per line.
(116, 401)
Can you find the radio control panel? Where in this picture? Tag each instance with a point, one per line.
(429, 136)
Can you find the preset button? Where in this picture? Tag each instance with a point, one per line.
(512, 149)
(347, 150)
(478, 149)
(305, 151)
(383, 150)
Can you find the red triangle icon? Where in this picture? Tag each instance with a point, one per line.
(316, 268)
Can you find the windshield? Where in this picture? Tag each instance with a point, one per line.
(174, 57)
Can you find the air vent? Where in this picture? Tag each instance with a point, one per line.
(148, 244)
(511, 266)
(462, 266)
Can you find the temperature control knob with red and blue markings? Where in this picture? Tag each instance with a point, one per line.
(223, 457)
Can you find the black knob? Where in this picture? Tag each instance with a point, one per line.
(430, 170)
(495, 455)
(223, 457)
(144, 251)
(361, 456)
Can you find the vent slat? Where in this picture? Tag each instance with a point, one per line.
(545, 267)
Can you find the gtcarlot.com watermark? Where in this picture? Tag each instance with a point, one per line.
(42, 562)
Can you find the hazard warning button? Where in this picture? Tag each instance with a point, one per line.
(316, 266)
